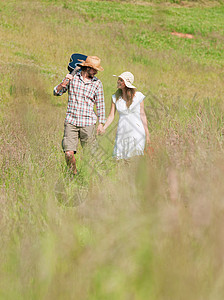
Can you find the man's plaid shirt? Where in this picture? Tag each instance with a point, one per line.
(82, 96)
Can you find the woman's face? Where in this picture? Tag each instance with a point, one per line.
(120, 83)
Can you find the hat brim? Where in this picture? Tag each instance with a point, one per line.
(128, 84)
(91, 66)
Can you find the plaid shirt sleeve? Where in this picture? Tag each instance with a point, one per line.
(100, 105)
(62, 91)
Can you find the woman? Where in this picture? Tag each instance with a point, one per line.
(132, 130)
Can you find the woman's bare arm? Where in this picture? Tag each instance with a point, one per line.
(144, 121)
(111, 116)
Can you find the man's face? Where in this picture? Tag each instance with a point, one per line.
(91, 72)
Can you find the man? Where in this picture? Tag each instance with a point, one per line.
(84, 91)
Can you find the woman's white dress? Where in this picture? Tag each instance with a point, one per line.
(130, 137)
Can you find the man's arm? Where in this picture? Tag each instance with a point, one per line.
(62, 87)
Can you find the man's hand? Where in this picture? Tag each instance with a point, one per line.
(67, 79)
(100, 129)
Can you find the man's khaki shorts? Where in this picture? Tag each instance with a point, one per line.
(73, 133)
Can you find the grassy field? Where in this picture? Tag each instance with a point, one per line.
(149, 230)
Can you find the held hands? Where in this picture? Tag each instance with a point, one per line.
(100, 129)
(67, 79)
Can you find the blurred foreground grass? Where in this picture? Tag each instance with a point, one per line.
(152, 229)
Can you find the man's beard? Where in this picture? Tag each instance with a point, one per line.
(90, 75)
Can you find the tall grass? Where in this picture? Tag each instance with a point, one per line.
(150, 229)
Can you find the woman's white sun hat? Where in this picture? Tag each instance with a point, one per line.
(128, 78)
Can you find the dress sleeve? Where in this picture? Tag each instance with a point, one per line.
(141, 97)
(114, 99)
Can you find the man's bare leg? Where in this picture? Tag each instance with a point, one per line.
(71, 161)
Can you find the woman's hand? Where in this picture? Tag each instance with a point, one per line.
(149, 149)
(148, 142)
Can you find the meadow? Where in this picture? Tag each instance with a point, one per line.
(148, 230)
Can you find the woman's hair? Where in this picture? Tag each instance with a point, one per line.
(130, 95)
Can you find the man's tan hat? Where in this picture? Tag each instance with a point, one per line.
(92, 62)
(128, 78)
